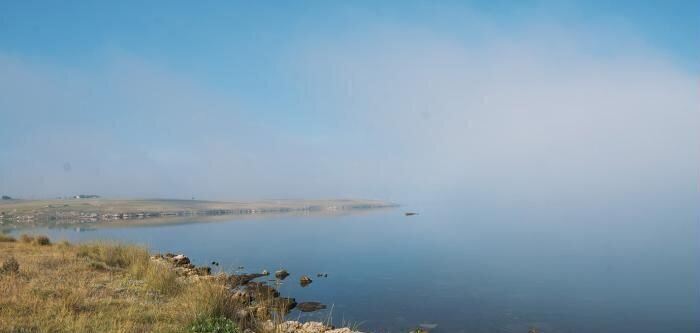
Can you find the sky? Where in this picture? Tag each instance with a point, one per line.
(395, 100)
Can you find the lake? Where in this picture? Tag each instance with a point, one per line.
(463, 267)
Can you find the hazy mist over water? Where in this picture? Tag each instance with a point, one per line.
(553, 151)
(394, 108)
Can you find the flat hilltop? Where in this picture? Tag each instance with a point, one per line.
(104, 209)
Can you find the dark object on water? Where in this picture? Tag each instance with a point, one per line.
(215, 263)
(305, 281)
(410, 213)
(310, 306)
(281, 274)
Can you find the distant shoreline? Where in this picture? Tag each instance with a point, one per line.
(103, 210)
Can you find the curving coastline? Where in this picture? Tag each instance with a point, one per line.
(101, 210)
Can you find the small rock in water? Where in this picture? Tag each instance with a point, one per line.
(281, 274)
(305, 281)
(310, 306)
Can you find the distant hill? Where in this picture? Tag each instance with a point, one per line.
(95, 209)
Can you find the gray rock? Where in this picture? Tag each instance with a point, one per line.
(281, 274)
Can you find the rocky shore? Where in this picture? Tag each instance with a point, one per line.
(257, 301)
(111, 287)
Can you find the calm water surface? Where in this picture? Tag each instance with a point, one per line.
(462, 268)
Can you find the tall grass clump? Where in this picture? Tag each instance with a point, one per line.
(209, 299)
(161, 279)
(134, 259)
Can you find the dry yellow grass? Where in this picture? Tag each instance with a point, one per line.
(100, 288)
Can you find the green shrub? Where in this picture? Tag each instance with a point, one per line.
(213, 325)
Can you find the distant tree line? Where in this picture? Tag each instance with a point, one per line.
(6, 197)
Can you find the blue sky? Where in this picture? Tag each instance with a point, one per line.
(240, 99)
(235, 35)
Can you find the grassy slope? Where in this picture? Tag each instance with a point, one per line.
(99, 288)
